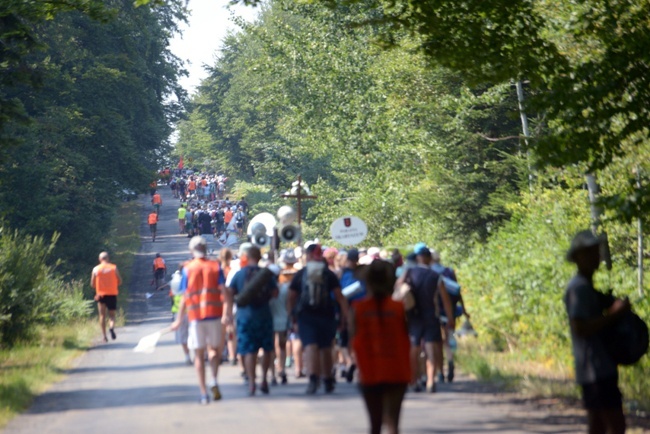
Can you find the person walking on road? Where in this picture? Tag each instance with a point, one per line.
(153, 224)
(254, 320)
(313, 292)
(202, 286)
(159, 271)
(595, 371)
(182, 211)
(377, 326)
(424, 324)
(156, 201)
(106, 279)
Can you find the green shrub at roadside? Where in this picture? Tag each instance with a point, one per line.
(31, 293)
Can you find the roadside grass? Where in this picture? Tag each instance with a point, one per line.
(29, 368)
(524, 374)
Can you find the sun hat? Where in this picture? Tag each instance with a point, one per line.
(582, 240)
(288, 256)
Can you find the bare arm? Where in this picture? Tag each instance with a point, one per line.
(228, 306)
(93, 280)
(446, 304)
(589, 327)
(343, 303)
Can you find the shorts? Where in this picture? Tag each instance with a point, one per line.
(427, 331)
(156, 206)
(603, 394)
(153, 227)
(183, 331)
(205, 333)
(318, 330)
(110, 301)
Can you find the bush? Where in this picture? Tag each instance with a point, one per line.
(31, 292)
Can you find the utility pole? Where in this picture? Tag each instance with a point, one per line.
(526, 131)
(639, 228)
(296, 192)
(594, 190)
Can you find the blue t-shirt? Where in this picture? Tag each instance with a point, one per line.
(237, 285)
(347, 279)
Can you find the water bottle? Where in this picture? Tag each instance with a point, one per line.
(453, 345)
(175, 283)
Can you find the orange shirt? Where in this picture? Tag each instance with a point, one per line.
(203, 296)
(105, 279)
(227, 216)
(153, 218)
(192, 185)
(156, 199)
(158, 263)
(381, 342)
(204, 182)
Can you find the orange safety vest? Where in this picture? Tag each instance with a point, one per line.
(381, 342)
(156, 199)
(227, 216)
(153, 218)
(203, 297)
(204, 182)
(192, 185)
(158, 263)
(105, 279)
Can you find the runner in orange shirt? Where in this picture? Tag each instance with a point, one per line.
(153, 223)
(105, 279)
(156, 201)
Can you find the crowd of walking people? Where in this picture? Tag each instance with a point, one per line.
(386, 319)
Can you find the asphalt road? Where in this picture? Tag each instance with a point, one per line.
(113, 390)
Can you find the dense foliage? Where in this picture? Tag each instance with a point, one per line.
(31, 293)
(93, 91)
(423, 142)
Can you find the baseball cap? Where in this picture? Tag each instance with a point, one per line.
(198, 246)
(419, 247)
(353, 255)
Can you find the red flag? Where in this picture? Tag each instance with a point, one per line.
(180, 163)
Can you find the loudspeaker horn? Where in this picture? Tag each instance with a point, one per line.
(260, 240)
(289, 233)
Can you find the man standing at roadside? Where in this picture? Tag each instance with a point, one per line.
(590, 313)
(313, 292)
(202, 285)
(105, 279)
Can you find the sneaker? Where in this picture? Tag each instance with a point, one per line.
(344, 373)
(312, 387)
(204, 400)
(450, 371)
(233, 362)
(274, 382)
(330, 384)
(216, 393)
(350, 373)
(441, 378)
(264, 387)
(417, 388)
(284, 378)
(113, 335)
(432, 388)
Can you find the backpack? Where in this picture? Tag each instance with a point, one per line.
(314, 295)
(452, 287)
(256, 291)
(627, 340)
(239, 218)
(405, 294)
